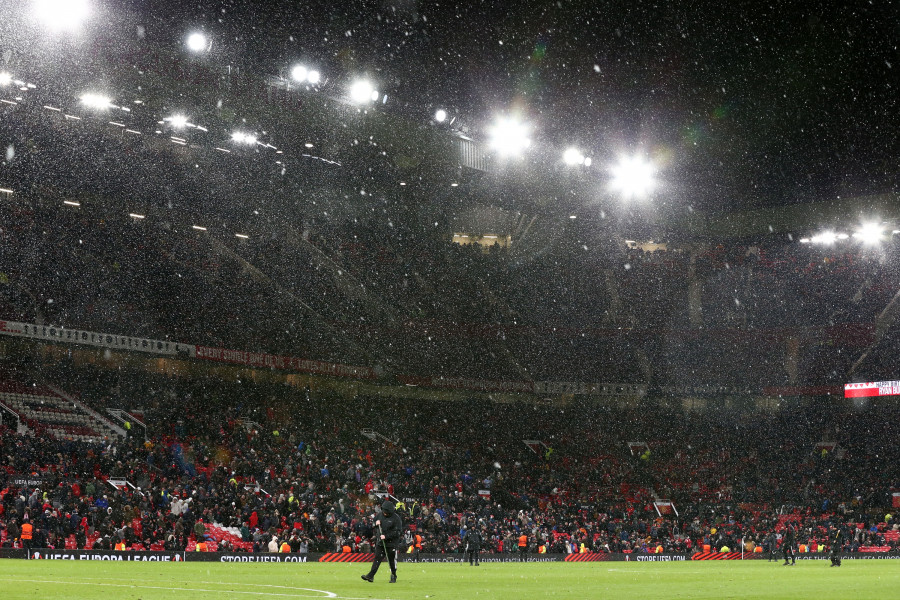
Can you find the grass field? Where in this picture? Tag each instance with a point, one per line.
(857, 580)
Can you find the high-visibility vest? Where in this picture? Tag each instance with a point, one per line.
(27, 529)
(418, 542)
(542, 549)
(201, 547)
(523, 541)
(120, 546)
(346, 549)
(285, 547)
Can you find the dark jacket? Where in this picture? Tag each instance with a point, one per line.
(473, 540)
(391, 526)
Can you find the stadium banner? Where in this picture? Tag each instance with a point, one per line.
(895, 499)
(587, 557)
(722, 556)
(287, 363)
(347, 557)
(647, 557)
(484, 557)
(29, 481)
(461, 383)
(93, 338)
(802, 390)
(589, 389)
(249, 557)
(872, 389)
(362, 557)
(852, 556)
(121, 555)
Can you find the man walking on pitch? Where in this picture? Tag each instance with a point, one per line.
(388, 531)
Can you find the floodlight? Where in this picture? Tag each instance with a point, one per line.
(587, 161)
(632, 177)
(60, 15)
(440, 116)
(870, 233)
(299, 73)
(197, 42)
(314, 77)
(509, 137)
(244, 138)
(362, 92)
(96, 101)
(826, 238)
(178, 121)
(5, 79)
(573, 156)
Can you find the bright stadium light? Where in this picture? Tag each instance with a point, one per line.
(826, 238)
(62, 15)
(632, 177)
(440, 115)
(870, 234)
(5, 79)
(509, 137)
(96, 101)
(197, 42)
(178, 121)
(299, 73)
(243, 138)
(313, 76)
(573, 156)
(362, 92)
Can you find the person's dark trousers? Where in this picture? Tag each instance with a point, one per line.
(380, 554)
(473, 556)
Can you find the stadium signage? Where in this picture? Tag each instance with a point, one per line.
(485, 558)
(272, 361)
(872, 389)
(169, 348)
(106, 555)
(254, 558)
(92, 338)
(460, 383)
(29, 481)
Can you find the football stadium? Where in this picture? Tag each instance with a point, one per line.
(405, 299)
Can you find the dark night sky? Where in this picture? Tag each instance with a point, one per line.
(773, 104)
(740, 103)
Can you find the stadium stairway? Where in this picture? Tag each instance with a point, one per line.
(46, 413)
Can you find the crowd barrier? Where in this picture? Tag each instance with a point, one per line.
(262, 557)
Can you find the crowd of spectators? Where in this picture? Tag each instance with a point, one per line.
(273, 461)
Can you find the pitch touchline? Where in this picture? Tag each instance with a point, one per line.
(326, 593)
(184, 589)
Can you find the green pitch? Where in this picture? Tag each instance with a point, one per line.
(860, 579)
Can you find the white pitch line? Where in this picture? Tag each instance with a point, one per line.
(85, 581)
(186, 589)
